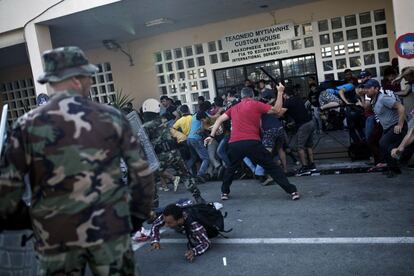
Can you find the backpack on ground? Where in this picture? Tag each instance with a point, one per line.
(208, 216)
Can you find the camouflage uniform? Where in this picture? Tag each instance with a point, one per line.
(71, 149)
(167, 153)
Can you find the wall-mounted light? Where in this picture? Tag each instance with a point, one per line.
(112, 45)
(158, 21)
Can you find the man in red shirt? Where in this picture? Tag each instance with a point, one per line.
(245, 141)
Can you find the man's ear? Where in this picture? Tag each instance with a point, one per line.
(76, 82)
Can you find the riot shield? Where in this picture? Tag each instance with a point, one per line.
(139, 130)
(3, 124)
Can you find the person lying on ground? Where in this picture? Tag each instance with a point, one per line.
(176, 218)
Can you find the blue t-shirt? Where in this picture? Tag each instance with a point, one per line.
(195, 127)
(347, 87)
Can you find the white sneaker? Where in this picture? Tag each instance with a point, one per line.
(295, 196)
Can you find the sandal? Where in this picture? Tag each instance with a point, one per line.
(378, 168)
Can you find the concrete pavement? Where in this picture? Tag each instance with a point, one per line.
(345, 205)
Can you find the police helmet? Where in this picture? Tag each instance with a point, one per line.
(151, 105)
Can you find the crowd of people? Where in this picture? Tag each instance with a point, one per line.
(250, 129)
(375, 114)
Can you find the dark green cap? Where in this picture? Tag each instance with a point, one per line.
(65, 62)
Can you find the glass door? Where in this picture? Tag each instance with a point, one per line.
(298, 72)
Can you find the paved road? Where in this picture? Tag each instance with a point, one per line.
(361, 206)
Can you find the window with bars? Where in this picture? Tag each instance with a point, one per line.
(103, 88)
(303, 37)
(20, 96)
(354, 41)
(182, 72)
(326, 52)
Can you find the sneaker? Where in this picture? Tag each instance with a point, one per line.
(261, 178)
(176, 183)
(224, 196)
(141, 236)
(312, 167)
(268, 181)
(303, 171)
(295, 196)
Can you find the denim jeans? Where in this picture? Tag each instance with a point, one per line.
(316, 116)
(369, 126)
(256, 170)
(222, 150)
(212, 149)
(197, 148)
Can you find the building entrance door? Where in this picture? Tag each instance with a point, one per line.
(295, 71)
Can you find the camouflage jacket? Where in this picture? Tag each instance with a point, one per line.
(159, 134)
(71, 149)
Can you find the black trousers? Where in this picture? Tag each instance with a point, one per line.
(256, 152)
(390, 140)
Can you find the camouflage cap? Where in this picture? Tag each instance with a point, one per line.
(65, 62)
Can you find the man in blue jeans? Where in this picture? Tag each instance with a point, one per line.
(196, 145)
(245, 141)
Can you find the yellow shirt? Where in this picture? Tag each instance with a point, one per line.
(184, 123)
(179, 136)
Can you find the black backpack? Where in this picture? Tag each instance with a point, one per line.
(359, 151)
(208, 216)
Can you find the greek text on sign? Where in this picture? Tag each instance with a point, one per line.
(251, 45)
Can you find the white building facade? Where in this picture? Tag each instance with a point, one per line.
(189, 56)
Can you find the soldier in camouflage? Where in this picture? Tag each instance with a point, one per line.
(71, 149)
(165, 146)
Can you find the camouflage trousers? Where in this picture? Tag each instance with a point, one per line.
(111, 258)
(173, 159)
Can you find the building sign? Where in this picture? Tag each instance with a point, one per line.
(267, 42)
(42, 99)
(404, 46)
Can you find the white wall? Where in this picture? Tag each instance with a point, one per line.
(140, 81)
(403, 14)
(15, 13)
